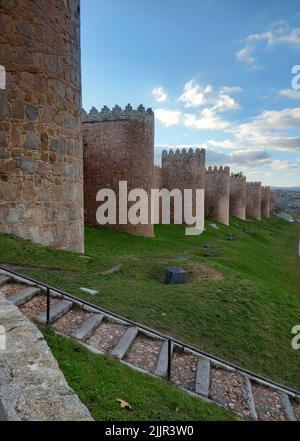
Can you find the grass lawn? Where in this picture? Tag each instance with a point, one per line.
(240, 305)
(99, 381)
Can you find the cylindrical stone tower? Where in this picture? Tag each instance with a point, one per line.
(253, 208)
(265, 202)
(217, 186)
(237, 200)
(41, 167)
(118, 146)
(184, 170)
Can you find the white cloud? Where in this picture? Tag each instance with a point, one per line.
(226, 144)
(283, 165)
(159, 94)
(259, 173)
(245, 55)
(278, 34)
(225, 103)
(291, 94)
(231, 89)
(168, 117)
(194, 95)
(207, 120)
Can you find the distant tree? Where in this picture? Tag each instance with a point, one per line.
(238, 175)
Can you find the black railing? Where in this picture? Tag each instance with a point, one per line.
(171, 341)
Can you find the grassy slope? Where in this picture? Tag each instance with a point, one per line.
(246, 317)
(100, 381)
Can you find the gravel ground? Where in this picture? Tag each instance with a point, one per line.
(267, 403)
(184, 368)
(229, 389)
(71, 321)
(106, 336)
(37, 305)
(144, 353)
(12, 288)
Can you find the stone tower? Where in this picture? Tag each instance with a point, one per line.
(237, 200)
(184, 170)
(265, 202)
(217, 186)
(41, 168)
(118, 146)
(253, 208)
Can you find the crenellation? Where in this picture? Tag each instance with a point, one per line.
(117, 113)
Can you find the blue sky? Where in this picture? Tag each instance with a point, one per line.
(217, 73)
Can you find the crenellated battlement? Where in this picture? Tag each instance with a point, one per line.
(253, 184)
(265, 188)
(183, 153)
(219, 169)
(117, 113)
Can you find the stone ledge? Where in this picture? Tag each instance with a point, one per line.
(32, 387)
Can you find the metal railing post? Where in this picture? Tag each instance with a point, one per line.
(48, 306)
(169, 359)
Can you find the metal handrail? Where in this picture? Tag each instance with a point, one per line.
(171, 341)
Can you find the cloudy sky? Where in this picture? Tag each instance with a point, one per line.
(220, 74)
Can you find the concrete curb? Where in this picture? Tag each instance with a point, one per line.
(125, 342)
(24, 296)
(88, 327)
(56, 312)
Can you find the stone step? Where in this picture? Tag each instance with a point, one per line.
(287, 407)
(184, 369)
(272, 404)
(88, 327)
(120, 350)
(3, 279)
(56, 312)
(24, 296)
(161, 369)
(202, 377)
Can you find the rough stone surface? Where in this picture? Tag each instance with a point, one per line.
(253, 208)
(41, 108)
(265, 202)
(217, 186)
(32, 388)
(118, 146)
(183, 169)
(238, 196)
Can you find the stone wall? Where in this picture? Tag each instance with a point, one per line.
(158, 177)
(253, 208)
(118, 146)
(265, 202)
(41, 174)
(238, 194)
(274, 203)
(184, 170)
(217, 186)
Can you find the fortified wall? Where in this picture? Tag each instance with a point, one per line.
(184, 170)
(253, 209)
(41, 174)
(274, 202)
(118, 146)
(265, 202)
(217, 186)
(238, 196)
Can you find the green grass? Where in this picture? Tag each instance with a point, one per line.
(240, 306)
(99, 381)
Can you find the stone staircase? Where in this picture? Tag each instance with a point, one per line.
(200, 375)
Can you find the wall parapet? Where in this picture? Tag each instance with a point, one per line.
(254, 184)
(117, 113)
(219, 169)
(183, 153)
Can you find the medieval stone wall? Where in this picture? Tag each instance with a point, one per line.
(265, 202)
(253, 208)
(184, 170)
(217, 186)
(118, 146)
(238, 195)
(41, 173)
(158, 177)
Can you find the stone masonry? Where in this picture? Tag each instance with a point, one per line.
(118, 146)
(32, 387)
(217, 186)
(238, 195)
(184, 169)
(253, 209)
(41, 167)
(265, 202)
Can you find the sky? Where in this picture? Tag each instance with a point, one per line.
(219, 74)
